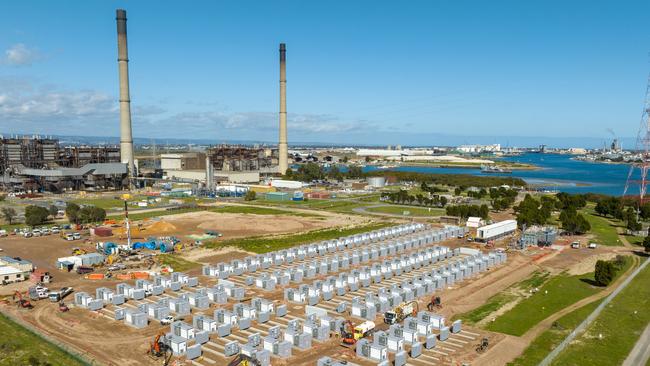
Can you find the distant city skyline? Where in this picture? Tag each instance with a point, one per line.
(565, 74)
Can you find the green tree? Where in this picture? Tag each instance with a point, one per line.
(72, 212)
(646, 244)
(604, 272)
(8, 214)
(335, 173)
(36, 215)
(53, 210)
(368, 159)
(91, 214)
(573, 222)
(355, 171)
(250, 195)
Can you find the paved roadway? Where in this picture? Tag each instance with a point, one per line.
(640, 354)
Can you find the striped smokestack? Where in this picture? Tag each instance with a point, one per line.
(283, 163)
(126, 137)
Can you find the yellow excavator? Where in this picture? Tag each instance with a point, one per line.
(78, 251)
(243, 360)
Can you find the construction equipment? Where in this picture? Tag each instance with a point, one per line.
(23, 303)
(160, 349)
(435, 303)
(351, 333)
(110, 259)
(63, 307)
(483, 346)
(243, 360)
(401, 312)
(78, 251)
(347, 333)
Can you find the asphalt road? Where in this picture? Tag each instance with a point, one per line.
(640, 354)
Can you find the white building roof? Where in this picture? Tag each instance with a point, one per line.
(474, 221)
(9, 270)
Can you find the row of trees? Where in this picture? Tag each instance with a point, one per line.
(403, 197)
(465, 211)
(313, 172)
(531, 211)
(86, 214)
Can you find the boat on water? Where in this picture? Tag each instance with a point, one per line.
(494, 169)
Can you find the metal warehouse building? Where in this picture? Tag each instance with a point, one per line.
(496, 230)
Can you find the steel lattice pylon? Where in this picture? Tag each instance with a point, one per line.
(643, 146)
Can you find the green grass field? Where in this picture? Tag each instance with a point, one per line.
(259, 211)
(177, 263)
(548, 340)
(555, 294)
(413, 211)
(620, 324)
(604, 232)
(20, 346)
(104, 203)
(497, 301)
(263, 244)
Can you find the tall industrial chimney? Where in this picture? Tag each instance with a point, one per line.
(283, 163)
(126, 137)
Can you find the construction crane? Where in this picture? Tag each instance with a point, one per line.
(243, 360)
(401, 312)
(435, 303)
(160, 349)
(23, 303)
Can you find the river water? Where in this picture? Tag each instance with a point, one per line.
(557, 172)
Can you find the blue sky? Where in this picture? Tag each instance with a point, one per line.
(367, 72)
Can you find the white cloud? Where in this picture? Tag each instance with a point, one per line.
(30, 108)
(21, 55)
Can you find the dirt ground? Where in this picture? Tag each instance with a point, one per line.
(98, 336)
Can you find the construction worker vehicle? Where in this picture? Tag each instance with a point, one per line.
(63, 307)
(482, 346)
(243, 360)
(160, 349)
(435, 303)
(401, 312)
(351, 334)
(56, 296)
(22, 303)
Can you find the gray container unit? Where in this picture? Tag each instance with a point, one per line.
(82, 299)
(157, 290)
(231, 349)
(217, 296)
(192, 282)
(95, 305)
(296, 276)
(193, 352)
(456, 326)
(158, 312)
(178, 345)
(277, 347)
(118, 299)
(137, 294)
(180, 306)
(135, 318)
(202, 337)
(119, 313)
(199, 301)
(175, 286)
(281, 310)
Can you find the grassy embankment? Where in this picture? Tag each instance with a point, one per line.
(178, 263)
(412, 211)
(611, 337)
(604, 230)
(554, 294)
(20, 346)
(264, 244)
(545, 342)
(259, 211)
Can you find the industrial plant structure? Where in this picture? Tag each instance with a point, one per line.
(42, 164)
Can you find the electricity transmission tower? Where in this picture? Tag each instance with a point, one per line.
(642, 146)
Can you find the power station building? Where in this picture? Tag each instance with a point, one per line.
(42, 164)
